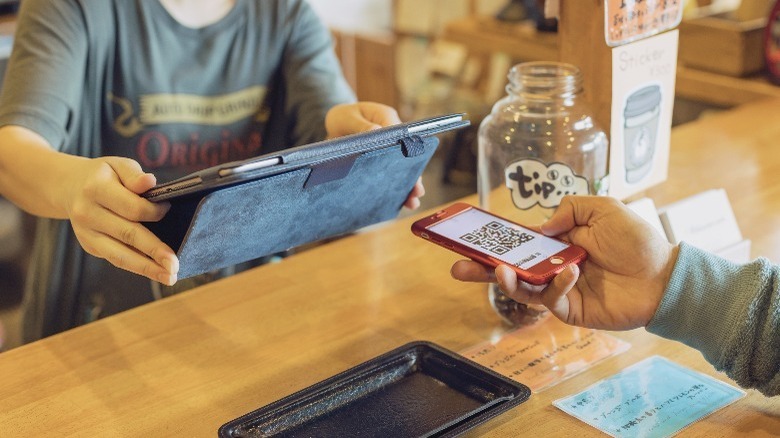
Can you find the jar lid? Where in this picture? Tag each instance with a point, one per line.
(642, 101)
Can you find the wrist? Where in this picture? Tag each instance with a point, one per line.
(705, 300)
(70, 188)
(668, 269)
(663, 276)
(660, 284)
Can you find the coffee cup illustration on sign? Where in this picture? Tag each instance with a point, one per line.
(641, 115)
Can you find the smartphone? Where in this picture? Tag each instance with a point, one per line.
(493, 240)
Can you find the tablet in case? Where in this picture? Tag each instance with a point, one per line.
(240, 211)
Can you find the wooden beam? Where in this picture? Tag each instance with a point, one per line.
(582, 43)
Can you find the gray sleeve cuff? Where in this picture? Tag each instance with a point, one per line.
(729, 312)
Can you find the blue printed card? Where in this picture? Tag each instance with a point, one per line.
(653, 398)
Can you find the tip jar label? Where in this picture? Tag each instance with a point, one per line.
(533, 182)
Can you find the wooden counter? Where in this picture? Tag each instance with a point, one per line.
(185, 365)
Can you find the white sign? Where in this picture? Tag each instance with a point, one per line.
(643, 78)
(705, 220)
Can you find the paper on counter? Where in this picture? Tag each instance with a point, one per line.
(653, 398)
(545, 353)
(705, 220)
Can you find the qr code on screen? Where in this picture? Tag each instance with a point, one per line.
(496, 238)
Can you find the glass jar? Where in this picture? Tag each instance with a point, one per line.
(539, 144)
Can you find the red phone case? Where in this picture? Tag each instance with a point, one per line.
(541, 273)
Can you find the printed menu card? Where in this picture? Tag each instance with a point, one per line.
(652, 398)
(546, 352)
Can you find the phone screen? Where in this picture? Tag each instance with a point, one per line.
(503, 240)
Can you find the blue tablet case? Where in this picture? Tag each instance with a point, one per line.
(317, 191)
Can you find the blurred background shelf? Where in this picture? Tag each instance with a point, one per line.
(486, 36)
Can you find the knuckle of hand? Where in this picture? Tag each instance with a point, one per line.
(91, 188)
(136, 212)
(148, 270)
(80, 212)
(117, 260)
(102, 173)
(154, 252)
(128, 235)
(90, 249)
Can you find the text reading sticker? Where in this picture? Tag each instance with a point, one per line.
(653, 398)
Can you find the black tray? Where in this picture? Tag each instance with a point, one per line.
(419, 389)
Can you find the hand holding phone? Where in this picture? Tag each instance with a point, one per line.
(493, 240)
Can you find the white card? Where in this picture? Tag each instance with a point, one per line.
(643, 78)
(705, 220)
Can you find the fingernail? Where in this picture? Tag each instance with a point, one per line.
(167, 279)
(144, 175)
(170, 266)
